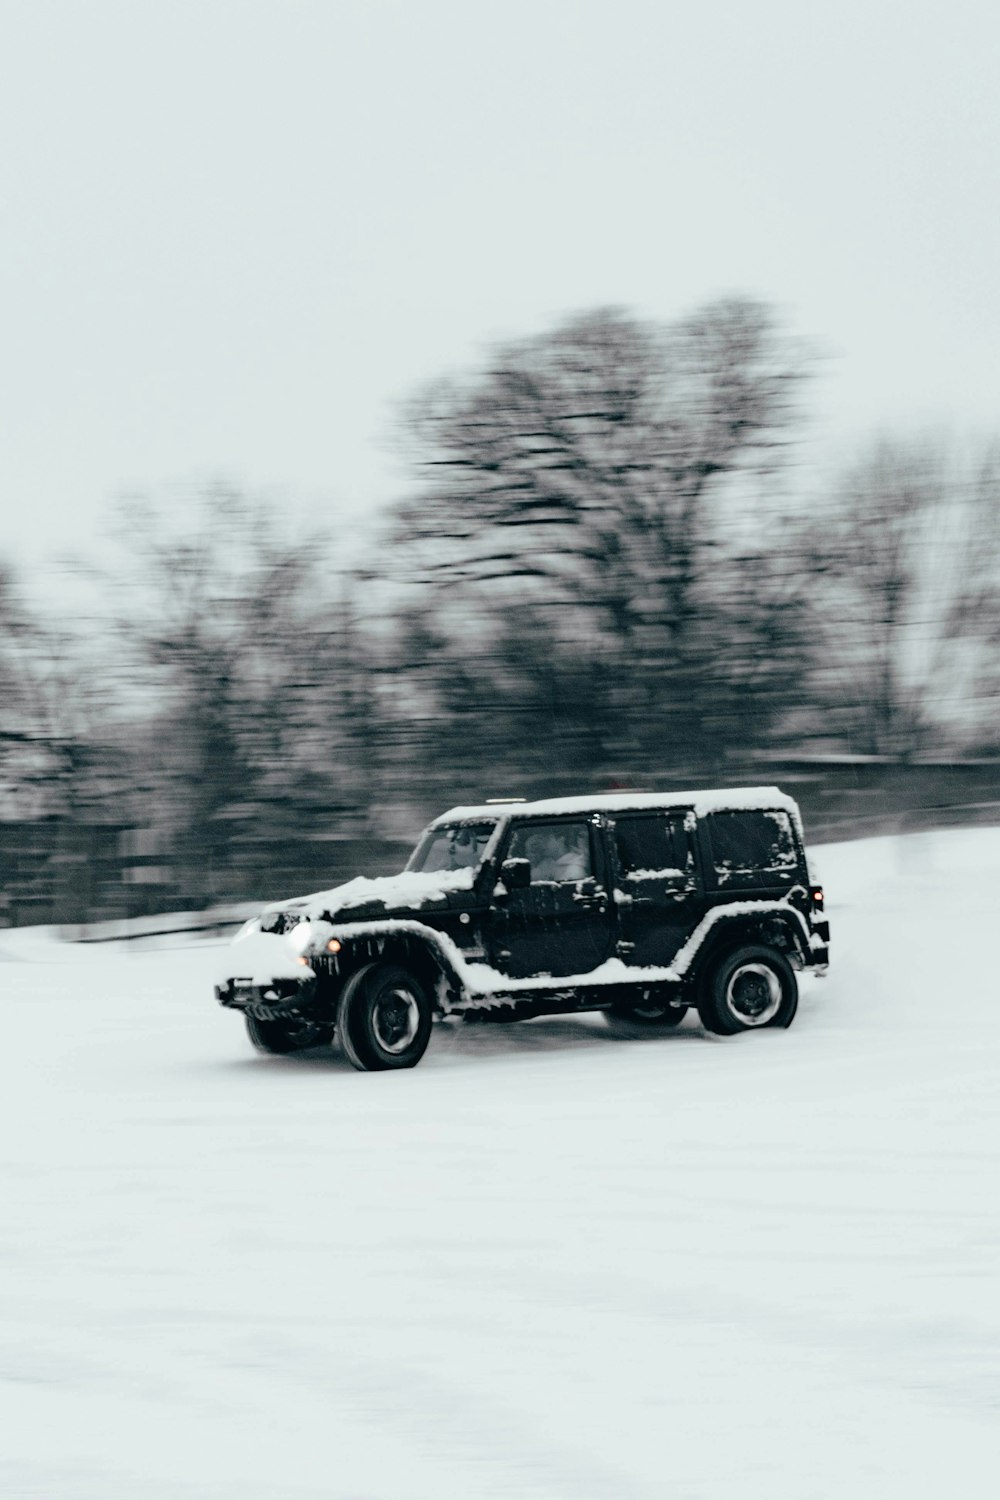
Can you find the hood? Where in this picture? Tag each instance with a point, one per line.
(361, 897)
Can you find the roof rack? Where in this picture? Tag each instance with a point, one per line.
(498, 801)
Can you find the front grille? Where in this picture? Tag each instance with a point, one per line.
(239, 994)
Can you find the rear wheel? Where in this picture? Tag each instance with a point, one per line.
(385, 1019)
(748, 990)
(289, 1035)
(642, 1020)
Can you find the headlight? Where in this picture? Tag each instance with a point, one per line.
(300, 937)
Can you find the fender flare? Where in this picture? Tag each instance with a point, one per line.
(377, 935)
(685, 962)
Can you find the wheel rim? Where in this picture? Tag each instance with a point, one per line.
(753, 994)
(395, 1020)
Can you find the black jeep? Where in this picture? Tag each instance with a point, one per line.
(633, 904)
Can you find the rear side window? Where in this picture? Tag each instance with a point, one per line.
(748, 843)
(652, 844)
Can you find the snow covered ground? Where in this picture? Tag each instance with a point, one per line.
(544, 1264)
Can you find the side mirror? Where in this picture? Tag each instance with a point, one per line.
(516, 874)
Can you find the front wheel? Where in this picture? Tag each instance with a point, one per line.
(642, 1020)
(385, 1019)
(748, 990)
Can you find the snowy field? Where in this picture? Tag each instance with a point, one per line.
(544, 1264)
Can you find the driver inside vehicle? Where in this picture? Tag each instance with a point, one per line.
(558, 852)
(452, 848)
(463, 850)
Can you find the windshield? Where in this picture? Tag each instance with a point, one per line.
(452, 846)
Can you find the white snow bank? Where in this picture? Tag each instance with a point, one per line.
(544, 1265)
(899, 865)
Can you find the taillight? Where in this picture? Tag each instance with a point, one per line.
(816, 893)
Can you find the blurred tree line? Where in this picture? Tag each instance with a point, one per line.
(610, 568)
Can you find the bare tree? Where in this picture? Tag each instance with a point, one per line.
(604, 479)
(233, 633)
(912, 595)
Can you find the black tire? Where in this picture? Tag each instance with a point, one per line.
(293, 1035)
(642, 1020)
(384, 1022)
(748, 990)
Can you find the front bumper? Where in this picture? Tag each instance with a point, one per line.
(267, 1002)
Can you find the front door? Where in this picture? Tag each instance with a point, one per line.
(659, 903)
(562, 923)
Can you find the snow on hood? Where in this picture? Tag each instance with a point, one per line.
(411, 889)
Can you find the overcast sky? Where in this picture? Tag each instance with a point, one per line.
(234, 232)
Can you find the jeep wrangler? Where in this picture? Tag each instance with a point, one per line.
(636, 905)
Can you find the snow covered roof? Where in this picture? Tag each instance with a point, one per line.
(720, 799)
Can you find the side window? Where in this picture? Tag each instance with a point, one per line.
(653, 844)
(557, 851)
(745, 843)
(456, 847)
